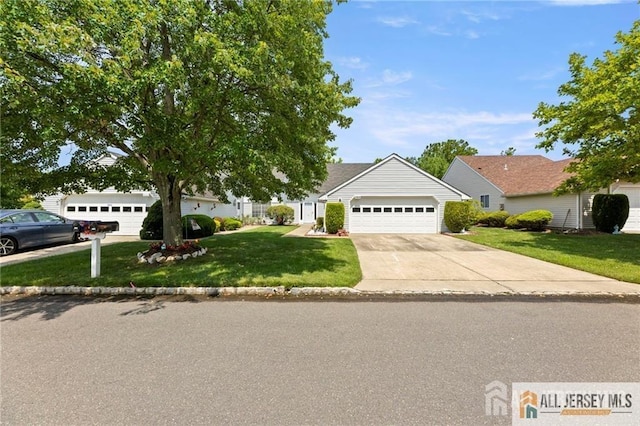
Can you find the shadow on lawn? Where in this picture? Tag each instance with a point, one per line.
(269, 255)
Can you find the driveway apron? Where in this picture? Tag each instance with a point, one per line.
(436, 262)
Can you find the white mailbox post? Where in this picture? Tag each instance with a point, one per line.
(95, 252)
(96, 232)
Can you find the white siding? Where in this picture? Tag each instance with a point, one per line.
(559, 206)
(395, 178)
(633, 192)
(465, 179)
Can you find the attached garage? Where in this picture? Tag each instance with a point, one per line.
(393, 215)
(394, 197)
(633, 192)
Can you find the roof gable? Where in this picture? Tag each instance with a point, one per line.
(381, 164)
(519, 174)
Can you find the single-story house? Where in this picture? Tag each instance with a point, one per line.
(520, 183)
(391, 196)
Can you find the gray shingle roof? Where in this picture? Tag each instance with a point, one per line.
(339, 173)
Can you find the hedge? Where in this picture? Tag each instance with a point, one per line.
(534, 220)
(231, 224)
(334, 217)
(494, 219)
(459, 215)
(203, 222)
(609, 210)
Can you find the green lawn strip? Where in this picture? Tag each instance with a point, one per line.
(258, 257)
(613, 256)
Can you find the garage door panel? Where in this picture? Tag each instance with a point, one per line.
(633, 221)
(394, 216)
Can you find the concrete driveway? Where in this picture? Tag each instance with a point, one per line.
(444, 263)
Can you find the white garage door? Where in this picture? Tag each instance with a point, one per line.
(129, 216)
(633, 222)
(393, 216)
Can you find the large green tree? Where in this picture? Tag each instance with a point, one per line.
(201, 95)
(437, 157)
(598, 121)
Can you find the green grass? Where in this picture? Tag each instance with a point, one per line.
(258, 257)
(614, 256)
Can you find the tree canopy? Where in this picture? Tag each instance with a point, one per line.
(437, 157)
(205, 96)
(598, 122)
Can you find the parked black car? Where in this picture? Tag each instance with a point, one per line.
(31, 228)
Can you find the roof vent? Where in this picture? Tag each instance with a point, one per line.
(506, 167)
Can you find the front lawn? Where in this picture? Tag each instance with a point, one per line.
(258, 257)
(614, 256)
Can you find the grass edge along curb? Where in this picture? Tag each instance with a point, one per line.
(301, 292)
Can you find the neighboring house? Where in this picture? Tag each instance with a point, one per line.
(519, 183)
(128, 208)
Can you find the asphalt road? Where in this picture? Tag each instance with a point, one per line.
(82, 361)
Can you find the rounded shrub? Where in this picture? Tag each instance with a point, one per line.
(334, 217)
(216, 223)
(152, 224)
(512, 222)
(197, 226)
(535, 220)
(231, 224)
(459, 215)
(494, 219)
(220, 220)
(319, 223)
(609, 210)
(281, 214)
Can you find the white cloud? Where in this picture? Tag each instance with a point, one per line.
(433, 29)
(472, 34)
(353, 62)
(393, 78)
(398, 21)
(414, 130)
(478, 17)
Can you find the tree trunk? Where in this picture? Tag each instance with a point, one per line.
(170, 195)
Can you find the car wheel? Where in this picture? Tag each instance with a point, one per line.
(7, 246)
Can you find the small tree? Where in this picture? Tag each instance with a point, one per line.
(334, 217)
(610, 210)
(281, 214)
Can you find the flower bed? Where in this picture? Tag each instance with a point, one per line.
(162, 253)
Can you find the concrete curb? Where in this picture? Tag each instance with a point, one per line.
(309, 292)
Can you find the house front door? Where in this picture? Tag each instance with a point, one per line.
(308, 213)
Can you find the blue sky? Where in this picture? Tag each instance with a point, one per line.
(427, 71)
